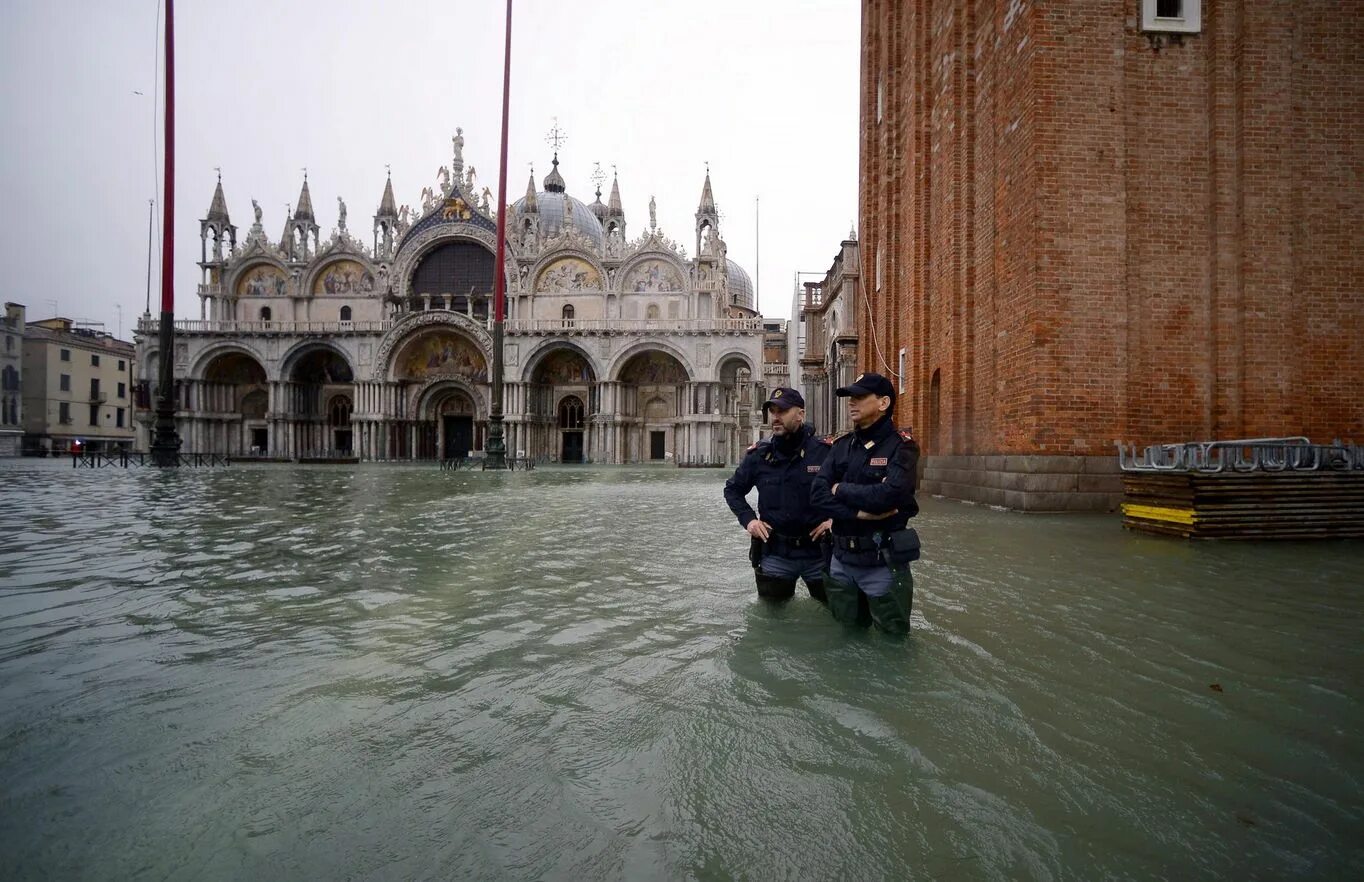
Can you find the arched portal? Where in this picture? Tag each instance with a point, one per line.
(736, 403)
(319, 378)
(441, 367)
(652, 397)
(563, 373)
(231, 399)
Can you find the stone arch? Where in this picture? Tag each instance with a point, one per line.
(416, 249)
(314, 276)
(209, 354)
(537, 356)
(440, 351)
(430, 394)
(553, 256)
(623, 357)
(300, 350)
(732, 354)
(237, 275)
(638, 260)
(412, 325)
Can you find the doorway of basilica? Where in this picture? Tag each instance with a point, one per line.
(456, 424)
(571, 429)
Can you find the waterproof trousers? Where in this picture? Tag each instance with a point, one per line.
(864, 595)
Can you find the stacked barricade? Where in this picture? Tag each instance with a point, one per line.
(1247, 488)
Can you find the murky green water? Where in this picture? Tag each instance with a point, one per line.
(396, 673)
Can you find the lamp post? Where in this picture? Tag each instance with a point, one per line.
(497, 445)
(165, 441)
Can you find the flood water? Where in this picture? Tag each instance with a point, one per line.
(390, 672)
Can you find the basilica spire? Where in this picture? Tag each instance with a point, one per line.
(217, 209)
(707, 220)
(386, 222)
(304, 211)
(613, 208)
(707, 198)
(530, 204)
(217, 229)
(388, 206)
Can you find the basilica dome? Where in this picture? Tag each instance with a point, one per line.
(550, 204)
(740, 286)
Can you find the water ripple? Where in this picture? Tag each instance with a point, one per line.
(392, 672)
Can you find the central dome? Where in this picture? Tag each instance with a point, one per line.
(551, 210)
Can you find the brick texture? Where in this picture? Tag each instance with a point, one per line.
(1083, 234)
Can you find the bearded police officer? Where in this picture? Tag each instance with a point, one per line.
(787, 538)
(867, 486)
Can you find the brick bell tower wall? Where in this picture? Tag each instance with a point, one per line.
(1082, 233)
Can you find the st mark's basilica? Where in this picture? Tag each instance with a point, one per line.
(617, 349)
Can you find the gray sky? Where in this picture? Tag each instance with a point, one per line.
(765, 91)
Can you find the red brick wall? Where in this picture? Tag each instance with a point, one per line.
(1087, 235)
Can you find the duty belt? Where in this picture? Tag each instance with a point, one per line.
(859, 543)
(779, 539)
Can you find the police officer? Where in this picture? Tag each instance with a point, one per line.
(788, 537)
(867, 486)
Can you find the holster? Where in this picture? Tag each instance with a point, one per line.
(755, 551)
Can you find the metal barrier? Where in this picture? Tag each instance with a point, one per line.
(1289, 454)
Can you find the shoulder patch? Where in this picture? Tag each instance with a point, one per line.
(830, 439)
(752, 447)
(907, 434)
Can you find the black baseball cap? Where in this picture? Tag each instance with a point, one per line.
(868, 384)
(783, 398)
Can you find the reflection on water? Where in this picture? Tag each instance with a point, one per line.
(394, 672)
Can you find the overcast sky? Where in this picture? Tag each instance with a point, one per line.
(764, 91)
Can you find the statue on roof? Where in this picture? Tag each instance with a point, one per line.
(341, 213)
(653, 215)
(255, 206)
(458, 143)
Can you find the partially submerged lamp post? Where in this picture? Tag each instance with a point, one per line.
(165, 442)
(497, 446)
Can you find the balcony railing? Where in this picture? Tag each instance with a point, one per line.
(231, 326)
(149, 327)
(598, 326)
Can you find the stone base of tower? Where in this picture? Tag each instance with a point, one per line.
(1027, 483)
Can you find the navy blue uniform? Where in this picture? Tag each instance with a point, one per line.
(875, 470)
(783, 471)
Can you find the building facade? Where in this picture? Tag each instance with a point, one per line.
(829, 310)
(617, 349)
(1110, 220)
(12, 380)
(77, 389)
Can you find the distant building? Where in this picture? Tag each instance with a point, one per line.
(617, 349)
(1104, 220)
(776, 370)
(828, 359)
(78, 389)
(12, 380)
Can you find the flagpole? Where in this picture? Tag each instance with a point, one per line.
(497, 446)
(165, 441)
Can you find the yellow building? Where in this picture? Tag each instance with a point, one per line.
(77, 389)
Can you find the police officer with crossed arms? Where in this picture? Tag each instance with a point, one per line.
(867, 486)
(787, 538)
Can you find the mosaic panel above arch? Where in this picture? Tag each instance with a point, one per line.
(653, 368)
(568, 274)
(563, 367)
(652, 276)
(344, 277)
(442, 353)
(263, 280)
